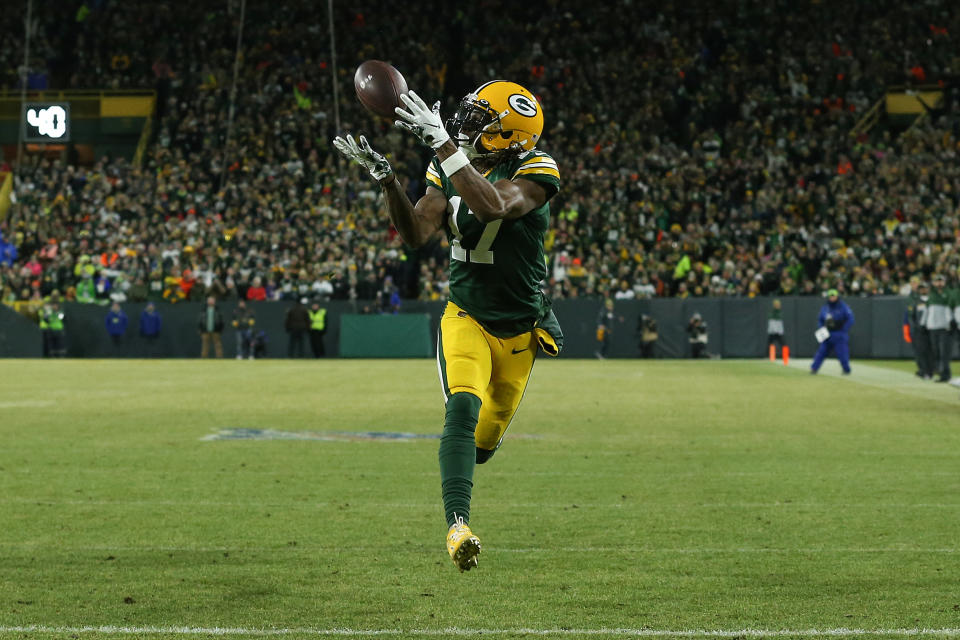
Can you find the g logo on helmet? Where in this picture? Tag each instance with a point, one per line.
(523, 105)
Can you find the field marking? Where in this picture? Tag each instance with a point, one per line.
(572, 504)
(33, 546)
(626, 474)
(25, 404)
(884, 378)
(459, 632)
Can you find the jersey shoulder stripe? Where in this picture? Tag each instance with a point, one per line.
(537, 163)
(433, 176)
(541, 168)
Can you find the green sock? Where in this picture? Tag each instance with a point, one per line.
(458, 452)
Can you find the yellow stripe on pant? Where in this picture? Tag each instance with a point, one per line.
(494, 369)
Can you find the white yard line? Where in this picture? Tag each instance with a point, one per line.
(626, 473)
(40, 546)
(572, 504)
(25, 404)
(472, 633)
(884, 378)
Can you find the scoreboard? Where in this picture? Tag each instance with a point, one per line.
(46, 122)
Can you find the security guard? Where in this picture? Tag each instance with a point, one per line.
(53, 316)
(318, 327)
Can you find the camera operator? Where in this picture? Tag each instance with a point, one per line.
(647, 331)
(697, 332)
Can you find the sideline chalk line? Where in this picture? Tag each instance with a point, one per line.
(459, 632)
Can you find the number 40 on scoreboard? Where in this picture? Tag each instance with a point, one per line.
(46, 122)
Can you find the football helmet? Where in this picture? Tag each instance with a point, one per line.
(499, 117)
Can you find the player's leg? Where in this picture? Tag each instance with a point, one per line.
(842, 351)
(464, 364)
(512, 363)
(821, 354)
(937, 345)
(924, 357)
(947, 351)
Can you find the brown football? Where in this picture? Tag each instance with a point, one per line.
(378, 86)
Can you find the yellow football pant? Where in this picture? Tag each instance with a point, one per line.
(496, 370)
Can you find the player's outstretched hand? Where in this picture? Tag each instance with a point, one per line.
(421, 120)
(364, 155)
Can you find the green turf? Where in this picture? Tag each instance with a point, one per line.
(666, 495)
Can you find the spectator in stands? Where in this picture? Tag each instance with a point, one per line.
(210, 325)
(389, 297)
(257, 292)
(86, 290)
(741, 177)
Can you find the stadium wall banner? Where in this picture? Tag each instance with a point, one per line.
(404, 335)
(736, 328)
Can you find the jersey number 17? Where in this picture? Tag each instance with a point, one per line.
(480, 254)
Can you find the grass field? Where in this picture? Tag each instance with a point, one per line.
(652, 499)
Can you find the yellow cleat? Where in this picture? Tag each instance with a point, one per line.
(463, 546)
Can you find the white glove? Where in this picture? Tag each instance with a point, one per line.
(364, 155)
(425, 123)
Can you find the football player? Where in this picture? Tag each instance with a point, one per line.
(488, 189)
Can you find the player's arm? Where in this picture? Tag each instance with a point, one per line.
(415, 223)
(848, 324)
(503, 199)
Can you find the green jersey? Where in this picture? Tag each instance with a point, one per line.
(496, 267)
(939, 309)
(775, 322)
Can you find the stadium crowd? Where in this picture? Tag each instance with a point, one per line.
(711, 157)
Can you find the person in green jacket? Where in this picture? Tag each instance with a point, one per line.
(53, 317)
(939, 319)
(775, 331)
(86, 289)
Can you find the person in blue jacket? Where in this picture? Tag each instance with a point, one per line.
(116, 322)
(150, 323)
(837, 318)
